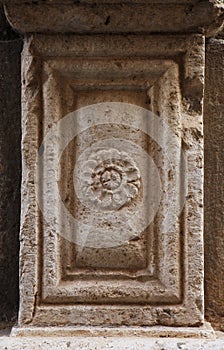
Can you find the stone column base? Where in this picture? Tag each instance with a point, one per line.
(204, 331)
(155, 338)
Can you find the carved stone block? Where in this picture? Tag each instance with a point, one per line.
(111, 229)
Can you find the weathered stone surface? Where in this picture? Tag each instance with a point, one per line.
(203, 332)
(10, 134)
(214, 174)
(154, 277)
(60, 283)
(113, 342)
(220, 35)
(116, 17)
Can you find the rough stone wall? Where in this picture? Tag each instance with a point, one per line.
(10, 169)
(214, 182)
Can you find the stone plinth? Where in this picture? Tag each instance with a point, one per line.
(112, 184)
(123, 342)
(129, 252)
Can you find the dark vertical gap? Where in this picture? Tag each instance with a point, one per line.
(214, 183)
(10, 170)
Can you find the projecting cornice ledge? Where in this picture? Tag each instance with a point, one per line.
(114, 16)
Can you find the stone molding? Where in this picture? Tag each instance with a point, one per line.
(90, 17)
(177, 278)
(132, 342)
(63, 67)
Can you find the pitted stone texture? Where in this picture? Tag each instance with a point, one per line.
(214, 175)
(102, 343)
(116, 17)
(62, 284)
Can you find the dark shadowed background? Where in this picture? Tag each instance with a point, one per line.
(10, 169)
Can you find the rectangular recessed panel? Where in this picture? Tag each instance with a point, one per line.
(106, 157)
(118, 230)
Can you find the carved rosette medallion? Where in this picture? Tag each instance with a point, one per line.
(110, 179)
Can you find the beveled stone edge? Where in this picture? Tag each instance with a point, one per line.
(205, 331)
(102, 343)
(204, 17)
